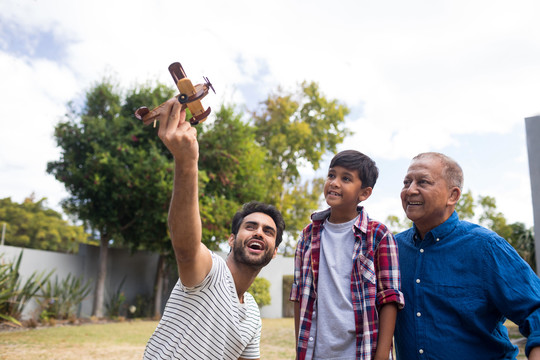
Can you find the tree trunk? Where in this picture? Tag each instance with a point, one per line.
(97, 309)
(158, 295)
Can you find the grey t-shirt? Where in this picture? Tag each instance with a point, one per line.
(334, 325)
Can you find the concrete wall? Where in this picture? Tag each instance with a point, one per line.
(139, 270)
(532, 126)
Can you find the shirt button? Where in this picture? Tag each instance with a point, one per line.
(419, 314)
(421, 250)
(438, 239)
(418, 281)
(421, 351)
(311, 339)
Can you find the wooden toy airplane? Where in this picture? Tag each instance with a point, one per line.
(189, 96)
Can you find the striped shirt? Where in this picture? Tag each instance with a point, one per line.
(207, 321)
(375, 279)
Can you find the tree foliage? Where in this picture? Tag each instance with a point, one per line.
(107, 162)
(118, 175)
(31, 224)
(232, 172)
(297, 129)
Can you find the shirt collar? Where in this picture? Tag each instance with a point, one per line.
(440, 231)
(360, 224)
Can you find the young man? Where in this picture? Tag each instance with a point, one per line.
(209, 314)
(460, 280)
(346, 282)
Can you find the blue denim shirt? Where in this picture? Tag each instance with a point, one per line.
(460, 283)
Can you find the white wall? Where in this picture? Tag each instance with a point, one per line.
(532, 125)
(139, 270)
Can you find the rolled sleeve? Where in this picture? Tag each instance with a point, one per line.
(531, 329)
(388, 274)
(295, 295)
(298, 263)
(514, 288)
(391, 296)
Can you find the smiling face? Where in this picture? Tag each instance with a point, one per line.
(427, 197)
(343, 191)
(254, 244)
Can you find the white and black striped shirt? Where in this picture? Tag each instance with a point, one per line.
(207, 321)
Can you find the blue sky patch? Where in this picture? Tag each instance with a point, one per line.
(32, 43)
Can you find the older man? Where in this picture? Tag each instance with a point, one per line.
(460, 280)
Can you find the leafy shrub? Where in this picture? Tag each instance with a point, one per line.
(260, 289)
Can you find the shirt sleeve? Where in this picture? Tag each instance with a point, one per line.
(514, 288)
(252, 350)
(387, 269)
(298, 257)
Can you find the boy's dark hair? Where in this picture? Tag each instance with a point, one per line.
(355, 160)
(256, 206)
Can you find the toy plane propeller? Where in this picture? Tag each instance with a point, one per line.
(189, 96)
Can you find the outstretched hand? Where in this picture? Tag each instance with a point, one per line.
(176, 133)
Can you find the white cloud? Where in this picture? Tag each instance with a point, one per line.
(420, 75)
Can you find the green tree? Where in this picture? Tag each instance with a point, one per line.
(492, 218)
(397, 224)
(465, 206)
(118, 175)
(232, 172)
(297, 129)
(522, 240)
(31, 224)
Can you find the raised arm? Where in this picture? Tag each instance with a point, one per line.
(192, 257)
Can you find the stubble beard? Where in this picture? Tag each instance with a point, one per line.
(241, 255)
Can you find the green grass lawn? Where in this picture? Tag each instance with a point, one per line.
(126, 340)
(121, 340)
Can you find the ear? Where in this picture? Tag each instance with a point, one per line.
(275, 253)
(231, 240)
(365, 193)
(455, 194)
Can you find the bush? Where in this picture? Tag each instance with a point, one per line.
(115, 301)
(59, 300)
(260, 289)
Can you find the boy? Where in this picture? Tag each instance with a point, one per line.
(346, 282)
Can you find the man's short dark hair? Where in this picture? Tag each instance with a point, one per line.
(256, 206)
(356, 161)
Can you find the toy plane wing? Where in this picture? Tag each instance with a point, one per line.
(189, 96)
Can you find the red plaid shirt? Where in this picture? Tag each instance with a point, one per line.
(375, 279)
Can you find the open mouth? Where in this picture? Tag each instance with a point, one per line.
(256, 245)
(333, 193)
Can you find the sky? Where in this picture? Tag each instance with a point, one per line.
(457, 77)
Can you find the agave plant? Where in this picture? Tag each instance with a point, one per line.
(14, 293)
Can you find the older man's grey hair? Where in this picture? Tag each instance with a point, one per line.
(452, 171)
